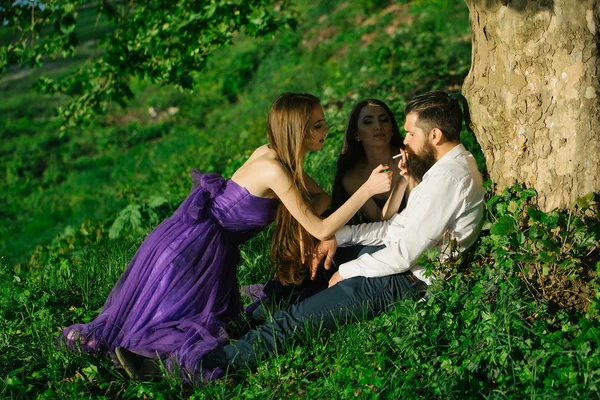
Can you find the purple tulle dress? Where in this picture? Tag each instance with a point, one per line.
(180, 288)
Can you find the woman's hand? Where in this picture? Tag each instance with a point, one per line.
(380, 180)
(326, 249)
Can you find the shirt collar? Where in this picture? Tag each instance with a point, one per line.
(451, 155)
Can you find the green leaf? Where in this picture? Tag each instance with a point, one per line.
(133, 215)
(527, 193)
(156, 201)
(520, 237)
(533, 232)
(116, 228)
(552, 219)
(129, 216)
(536, 215)
(545, 270)
(210, 10)
(513, 206)
(500, 208)
(493, 200)
(585, 201)
(486, 226)
(12, 381)
(504, 226)
(91, 372)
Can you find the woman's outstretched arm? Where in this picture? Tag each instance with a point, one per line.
(280, 182)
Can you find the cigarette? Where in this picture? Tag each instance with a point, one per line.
(397, 156)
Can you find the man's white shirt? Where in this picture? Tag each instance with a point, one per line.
(448, 203)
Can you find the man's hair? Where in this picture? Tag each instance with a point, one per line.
(437, 109)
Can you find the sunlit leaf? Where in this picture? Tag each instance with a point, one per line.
(504, 226)
(156, 201)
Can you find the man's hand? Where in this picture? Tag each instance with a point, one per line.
(403, 164)
(403, 167)
(335, 279)
(326, 249)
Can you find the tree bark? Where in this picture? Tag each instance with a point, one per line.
(534, 95)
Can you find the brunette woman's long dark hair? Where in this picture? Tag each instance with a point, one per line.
(353, 152)
(288, 131)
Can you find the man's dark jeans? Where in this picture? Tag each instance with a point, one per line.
(280, 296)
(350, 299)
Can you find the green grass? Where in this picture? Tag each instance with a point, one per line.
(482, 334)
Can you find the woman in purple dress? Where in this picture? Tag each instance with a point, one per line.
(180, 289)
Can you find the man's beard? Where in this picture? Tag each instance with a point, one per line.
(419, 164)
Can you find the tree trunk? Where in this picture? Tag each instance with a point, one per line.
(534, 94)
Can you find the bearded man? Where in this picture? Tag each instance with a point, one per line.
(447, 203)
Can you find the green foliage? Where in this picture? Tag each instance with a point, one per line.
(554, 253)
(489, 330)
(486, 331)
(136, 217)
(147, 149)
(164, 41)
(240, 74)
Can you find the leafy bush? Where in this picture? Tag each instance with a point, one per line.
(554, 253)
(135, 217)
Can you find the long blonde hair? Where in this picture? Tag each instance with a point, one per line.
(287, 132)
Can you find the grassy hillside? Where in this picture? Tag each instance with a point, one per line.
(75, 208)
(342, 55)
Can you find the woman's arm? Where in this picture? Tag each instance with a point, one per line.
(319, 198)
(280, 182)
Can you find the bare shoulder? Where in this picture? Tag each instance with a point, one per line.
(261, 174)
(258, 158)
(264, 166)
(257, 153)
(268, 167)
(261, 151)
